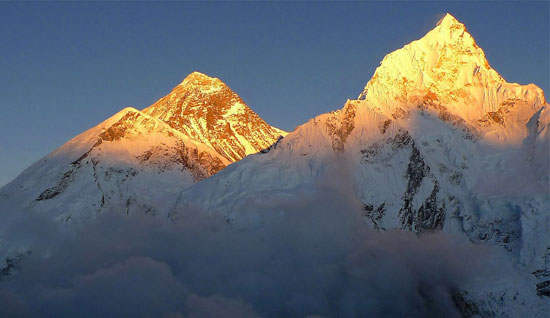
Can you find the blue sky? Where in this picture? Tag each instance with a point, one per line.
(64, 66)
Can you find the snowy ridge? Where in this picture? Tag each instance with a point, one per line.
(130, 161)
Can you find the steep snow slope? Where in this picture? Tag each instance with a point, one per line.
(130, 162)
(436, 141)
(207, 110)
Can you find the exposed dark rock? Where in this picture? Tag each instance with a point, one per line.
(429, 216)
(417, 170)
(341, 127)
(60, 186)
(497, 117)
(543, 288)
(371, 152)
(12, 264)
(96, 181)
(466, 307)
(400, 140)
(454, 177)
(272, 146)
(541, 273)
(118, 130)
(66, 179)
(129, 202)
(504, 232)
(147, 155)
(200, 164)
(384, 126)
(124, 173)
(375, 214)
(400, 113)
(78, 161)
(431, 104)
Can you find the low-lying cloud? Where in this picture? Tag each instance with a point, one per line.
(312, 256)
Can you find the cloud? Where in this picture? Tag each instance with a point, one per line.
(218, 306)
(308, 256)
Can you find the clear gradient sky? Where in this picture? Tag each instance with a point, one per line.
(65, 67)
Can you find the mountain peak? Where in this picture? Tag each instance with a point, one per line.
(448, 21)
(450, 30)
(199, 79)
(205, 109)
(446, 67)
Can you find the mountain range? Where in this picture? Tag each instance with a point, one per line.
(437, 141)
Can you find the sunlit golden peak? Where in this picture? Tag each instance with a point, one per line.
(206, 110)
(448, 21)
(449, 29)
(445, 67)
(201, 79)
(197, 74)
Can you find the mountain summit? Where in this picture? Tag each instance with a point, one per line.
(449, 22)
(445, 67)
(207, 110)
(201, 79)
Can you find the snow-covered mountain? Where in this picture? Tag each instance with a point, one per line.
(437, 141)
(207, 110)
(446, 68)
(136, 162)
(129, 161)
